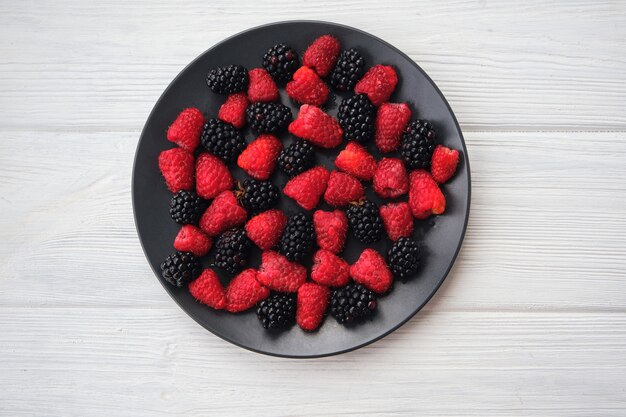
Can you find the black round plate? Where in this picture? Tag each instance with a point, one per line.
(440, 236)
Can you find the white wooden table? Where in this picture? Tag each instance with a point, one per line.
(532, 321)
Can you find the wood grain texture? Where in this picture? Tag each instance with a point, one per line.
(531, 321)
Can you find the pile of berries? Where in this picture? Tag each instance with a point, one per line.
(231, 218)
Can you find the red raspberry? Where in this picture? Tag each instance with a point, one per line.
(261, 86)
(390, 179)
(244, 291)
(191, 239)
(208, 289)
(233, 110)
(223, 213)
(331, 228)
(176, 165)
(378, 83)
(391, 120)
(259, 157)
(443, 163)
(356, 161)
(371, 271)
(186, 129)
(329, 269)
(212, 176)
(317, 127)
(265, 229)
(312, 304)
(343, 189)
(322, 55)
(307, 87)
(425, 197)
(307, 188)
(397, 219)
(280, 274)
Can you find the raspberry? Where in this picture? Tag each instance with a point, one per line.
(397, 219)
(390, 179)
(208, 289)
(298, 238)
(228, 79)
(212, 176)
(403, 257)
(312, 304)
(244, 291)
(391, 120)
(418, 144)
(186, 129)
(425, 197)
(307, 87)
(191, 239)
(176, 165)
(262, 87)
(329, 269)
(371, 271)
(356, 116)
(331, 228)
(233, 110)
(352, 303)
(180, 268)
(356, 161)
(443, 163)
(365, 221)
(266, 228)
(307, 188)
(317, 127)
(257, 196)
(349, 68)
(231, 250)
(343, 189)
(222, 140)
(222, 214)
(258, 159)
(296, 158)
(268, 117)
(281, 61)
(378, 83)
(322, 54)
(278, 311)
(279, 274)
(186, 207)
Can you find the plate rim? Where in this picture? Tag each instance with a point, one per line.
(418, 307)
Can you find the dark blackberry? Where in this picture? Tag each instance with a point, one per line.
(365, 221)
(180, 268)
(356, 116)
(268, 117)
(231, 250)
(228, 79)
(186, 207)
(278, 311)
(296, 158)
(403, 257)
(418, 144)
(298, 238)
(257, 196)
(222, 140)
(348, 70)
(281, 61)
(351, 303)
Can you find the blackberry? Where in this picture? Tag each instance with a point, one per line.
(298, 238)
(356, 116)
(186, 207)
(365, 221)
(231, 250)
(418, 144)
(296, 158)
(228, 79)
(351, 303)
(348, 70)
(281, 61)
(180, 268)
(257, 196)
(403, 257)
(278, 311)
(268, 117)
(222, 140)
